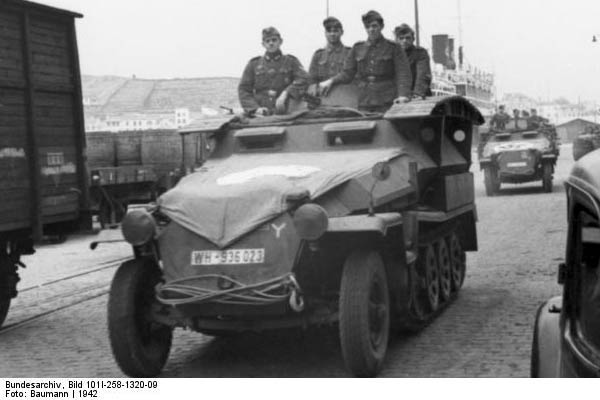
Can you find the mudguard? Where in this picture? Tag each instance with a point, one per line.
(545, 352)
(365, 223)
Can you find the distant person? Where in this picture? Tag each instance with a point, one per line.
(329, 61)
(500, 119)
(378, 66)
(418, 59)
(269, 80)
(535, 119)
(516, 114)
(525, 114)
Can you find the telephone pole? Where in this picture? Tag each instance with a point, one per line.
(417, 34)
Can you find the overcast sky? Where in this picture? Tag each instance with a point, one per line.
(540, 48)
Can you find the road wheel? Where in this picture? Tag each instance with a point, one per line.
(547, 177)
(432, 278)
(139, 344)
(457, 262)
(492, 183)
(445, 268)
(364, 313)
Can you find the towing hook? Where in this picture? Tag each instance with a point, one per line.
(296, 301)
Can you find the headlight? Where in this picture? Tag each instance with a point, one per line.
(138, 227)
(310, 221)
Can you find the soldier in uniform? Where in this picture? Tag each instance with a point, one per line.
(535, 120)
(269, 80)
(500, 119)
(329, 61)
(418, 58)
(378, 66)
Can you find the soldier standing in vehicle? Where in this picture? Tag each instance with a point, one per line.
(516, 114)
(419, 61)
(329, 61)
(269, 80)
(378, 66)
(500, 119)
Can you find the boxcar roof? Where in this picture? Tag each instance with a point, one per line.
(22, 4)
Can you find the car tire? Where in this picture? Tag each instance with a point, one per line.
(547, 171)
(4, 306)
(140, 346)
(364, 320)
(492, 183)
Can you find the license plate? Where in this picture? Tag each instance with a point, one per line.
(516, 164)
(228, 257)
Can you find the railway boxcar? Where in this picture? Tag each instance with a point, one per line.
(42, 141)
(136, 166)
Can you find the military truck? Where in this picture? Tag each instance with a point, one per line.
(521, 152)
(588, 141)
(318, 217)
(566, 338)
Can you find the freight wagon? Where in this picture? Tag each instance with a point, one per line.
(42, 142)
(136, 166)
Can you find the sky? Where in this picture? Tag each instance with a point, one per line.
(543, 49)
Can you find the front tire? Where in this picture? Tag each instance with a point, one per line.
(364, 313)
(139, 344)
(491, 181)
(547, 171)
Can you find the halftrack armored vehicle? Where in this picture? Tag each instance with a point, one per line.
(319, 217)
(566, 339)
(588, 141)
(519, 153)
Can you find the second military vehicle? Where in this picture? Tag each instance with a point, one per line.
(324, 216)
(566, 340)
(520, 153)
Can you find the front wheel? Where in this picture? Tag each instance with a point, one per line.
(491, 180)
(364, 313)
(4, 306)
(547, 171)
(139, 344)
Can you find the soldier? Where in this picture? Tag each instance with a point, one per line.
(269, 80)
(535, 120)
(419, 61)
(329, 61)
(378, 66)
(499, 120)
(516, 114)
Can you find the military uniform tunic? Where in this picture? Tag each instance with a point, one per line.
(499, 120)
(420, 68)
(381, 71)
(327, 62)
(265, 77)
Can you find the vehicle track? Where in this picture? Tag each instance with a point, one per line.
(38, 307)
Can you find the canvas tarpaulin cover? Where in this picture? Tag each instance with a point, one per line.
(230, 197)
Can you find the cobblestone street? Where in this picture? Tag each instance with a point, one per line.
(487, 332)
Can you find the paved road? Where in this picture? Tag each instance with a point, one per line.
(485, 333)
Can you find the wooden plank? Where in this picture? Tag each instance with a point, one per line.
(54, 60)
(12, 83)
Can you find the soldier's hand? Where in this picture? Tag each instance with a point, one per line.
(313, 90)
(261, 112)
(401, 100)
(280, 103)
(325, 87)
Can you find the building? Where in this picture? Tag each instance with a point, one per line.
(573, 128)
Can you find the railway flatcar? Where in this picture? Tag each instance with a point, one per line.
(42, 140)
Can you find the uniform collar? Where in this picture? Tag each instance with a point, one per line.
(375, 42)
(273, 56)
(334, 47)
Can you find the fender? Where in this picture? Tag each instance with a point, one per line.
(364, 223)
(545, 352)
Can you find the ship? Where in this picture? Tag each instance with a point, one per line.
(459, 78)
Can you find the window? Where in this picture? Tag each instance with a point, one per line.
(588, 317)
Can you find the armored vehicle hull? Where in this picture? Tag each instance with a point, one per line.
(520, 154)
(319, 217)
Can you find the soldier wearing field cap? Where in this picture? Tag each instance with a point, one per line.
(329, 61)
(378, 66)
(418, 58)
(269, 80)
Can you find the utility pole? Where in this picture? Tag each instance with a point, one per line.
(327, 8)
(417, 23)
